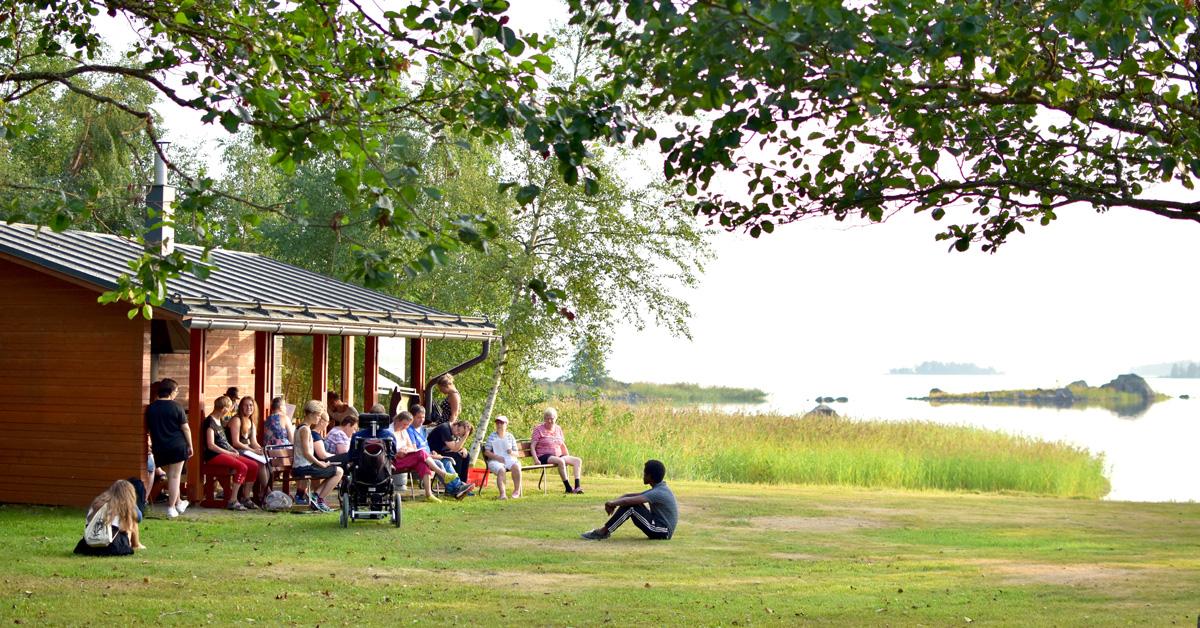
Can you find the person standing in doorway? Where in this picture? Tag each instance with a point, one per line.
(170, 441)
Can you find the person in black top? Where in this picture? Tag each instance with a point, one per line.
(170, 441)
(449, 440)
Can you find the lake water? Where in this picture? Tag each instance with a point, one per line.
(1151, 457)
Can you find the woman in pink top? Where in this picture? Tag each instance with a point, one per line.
(550, 448)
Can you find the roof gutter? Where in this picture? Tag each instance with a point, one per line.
(334, 330)
(487, 346)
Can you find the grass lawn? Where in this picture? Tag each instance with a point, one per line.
(743, 555)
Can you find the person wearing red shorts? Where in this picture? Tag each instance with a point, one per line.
(221, 457)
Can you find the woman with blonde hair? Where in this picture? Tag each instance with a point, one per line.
(112, 527)
(307, 464)
(241, 432)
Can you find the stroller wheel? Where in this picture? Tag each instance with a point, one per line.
(396, 510)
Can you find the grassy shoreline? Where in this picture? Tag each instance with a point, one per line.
(774, 449)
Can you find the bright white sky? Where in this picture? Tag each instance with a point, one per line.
(1095, 293)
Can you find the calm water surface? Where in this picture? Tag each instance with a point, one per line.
(1151, 457)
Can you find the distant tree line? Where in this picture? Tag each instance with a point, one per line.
(945, 368)
(1185, 369)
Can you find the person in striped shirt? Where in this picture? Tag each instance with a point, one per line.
(549, 447)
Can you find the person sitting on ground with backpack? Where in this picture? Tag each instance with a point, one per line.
(111, 527)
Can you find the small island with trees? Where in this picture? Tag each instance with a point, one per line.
(945, 368)
(1127, 395)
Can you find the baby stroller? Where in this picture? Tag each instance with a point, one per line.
(366, 491)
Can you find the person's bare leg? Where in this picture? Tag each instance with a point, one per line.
(500, 485)
(516, 473)
(577, 464)
(561, 463)
(173, 473)
(427, 486)
(329, 484)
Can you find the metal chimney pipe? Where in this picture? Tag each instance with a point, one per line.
(160, 166)
(160, 214)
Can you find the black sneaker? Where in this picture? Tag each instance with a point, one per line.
(592, 535)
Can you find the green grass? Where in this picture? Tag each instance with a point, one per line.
(711, 445)
(644, 392)
(743, 555)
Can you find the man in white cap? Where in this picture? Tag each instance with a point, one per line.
(502, 455)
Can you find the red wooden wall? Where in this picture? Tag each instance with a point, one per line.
(73, 377)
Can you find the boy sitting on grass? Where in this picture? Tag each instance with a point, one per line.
(654, 511)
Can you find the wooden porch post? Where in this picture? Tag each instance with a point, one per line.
(416, 366)
(197, 365)
(348, 372)
(320, 369)
(370, 373)
(264, 374)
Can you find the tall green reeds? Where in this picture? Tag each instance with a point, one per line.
(710, 445)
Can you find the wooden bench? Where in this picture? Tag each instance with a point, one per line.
(280, 458)
(525, 447)
(212, 477)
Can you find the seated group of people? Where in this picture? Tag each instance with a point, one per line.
(548, 445)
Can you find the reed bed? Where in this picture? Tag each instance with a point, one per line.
(774, 449)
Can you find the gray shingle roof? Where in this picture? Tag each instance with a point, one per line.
(247, 291)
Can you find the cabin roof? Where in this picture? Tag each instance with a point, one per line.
(247, 291)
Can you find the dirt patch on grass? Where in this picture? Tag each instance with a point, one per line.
(336, 572)
(814, 524)
(875, 511)
(798, 557)
(1064, 574)
(531, 580)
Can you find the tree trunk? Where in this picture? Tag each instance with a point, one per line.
(497, 377)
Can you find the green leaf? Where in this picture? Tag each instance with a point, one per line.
(929, 157)
(527, 193)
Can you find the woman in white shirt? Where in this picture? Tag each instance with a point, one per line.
(502, 455)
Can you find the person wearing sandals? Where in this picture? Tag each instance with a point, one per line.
(306, 464)
(241, 432)
(220, 457)
(549, 447)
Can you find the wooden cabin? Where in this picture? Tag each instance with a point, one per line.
(75, 375)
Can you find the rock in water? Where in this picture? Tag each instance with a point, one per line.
(821, 410)
(1130, 383)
